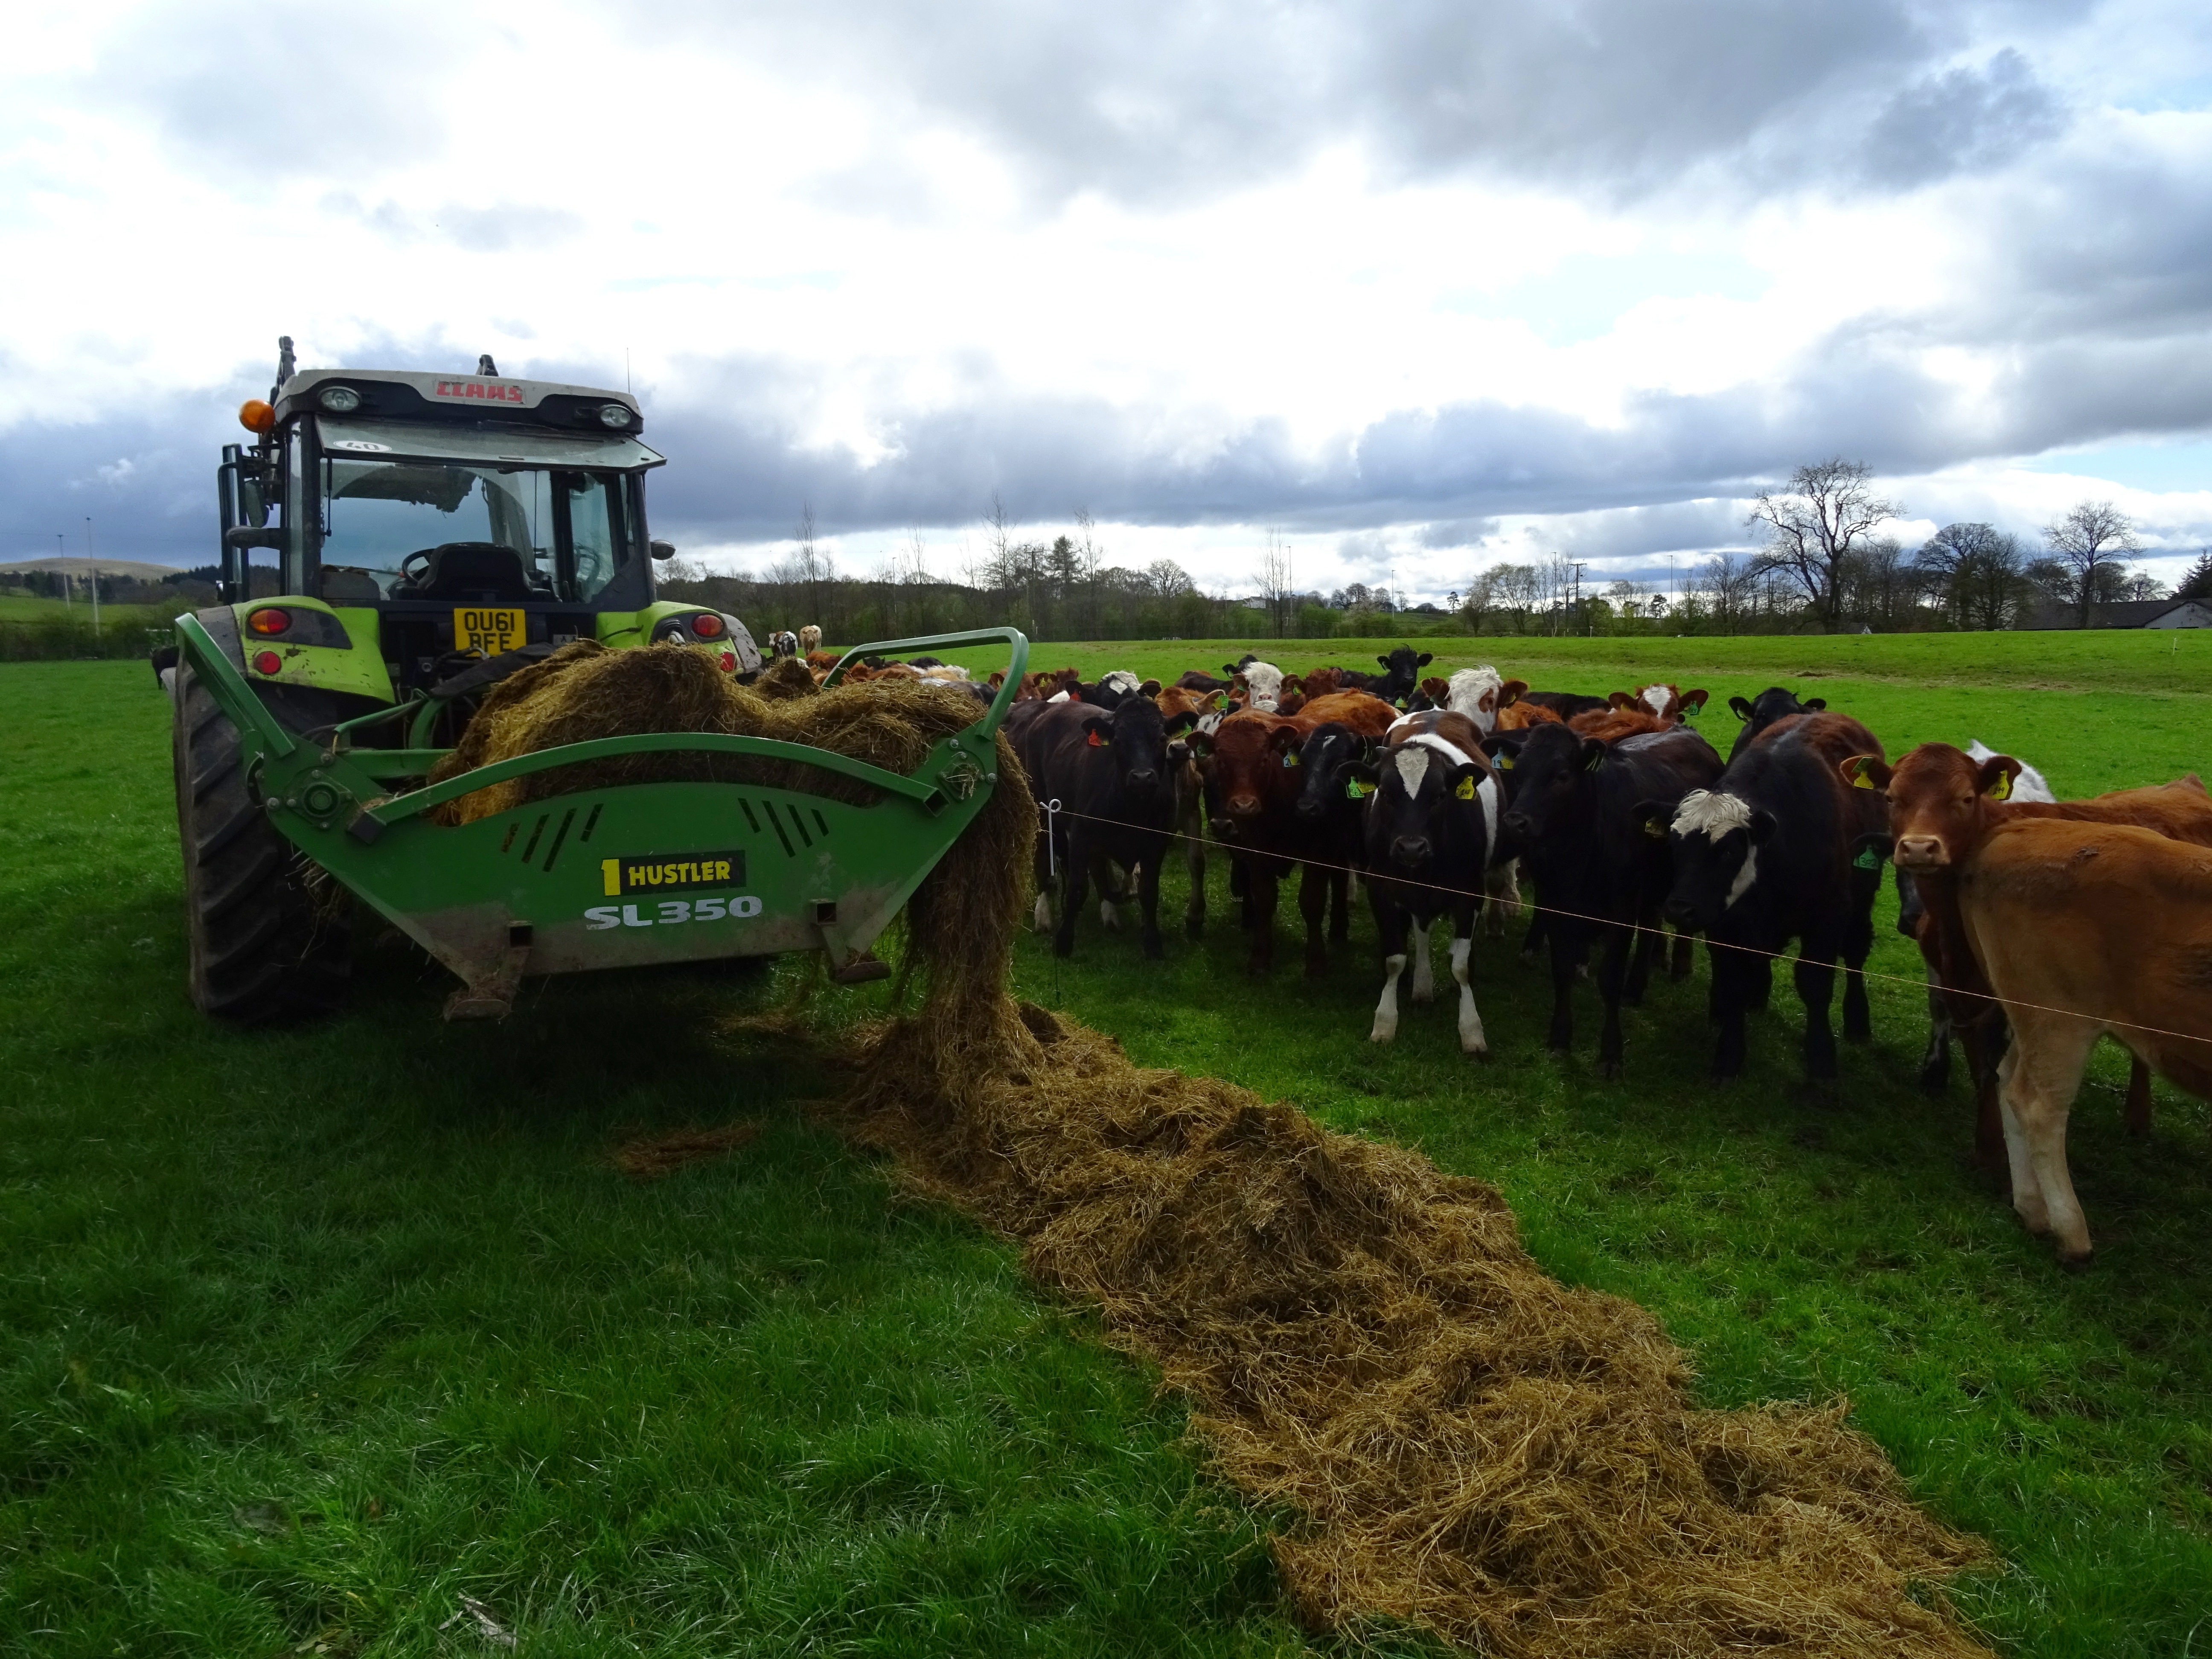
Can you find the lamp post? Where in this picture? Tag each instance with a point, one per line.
(92, 575)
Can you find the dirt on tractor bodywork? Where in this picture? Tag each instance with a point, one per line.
(1470, 1446)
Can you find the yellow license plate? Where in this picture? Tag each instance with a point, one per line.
(488, 631)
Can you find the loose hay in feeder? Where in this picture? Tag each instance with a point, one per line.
(1470, 1445)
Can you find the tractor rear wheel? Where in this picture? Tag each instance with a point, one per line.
(269, 941)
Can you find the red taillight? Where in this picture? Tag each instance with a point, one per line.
(707, 625)
(729, 661)
(267, 662)
(270, 620)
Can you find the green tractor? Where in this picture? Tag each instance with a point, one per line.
(422, 537)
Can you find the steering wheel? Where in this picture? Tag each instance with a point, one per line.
(413, 568)
(591, 567)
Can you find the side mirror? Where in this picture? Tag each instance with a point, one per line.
(663, 549)
(247, 536)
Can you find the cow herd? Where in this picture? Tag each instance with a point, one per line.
(2043, 924)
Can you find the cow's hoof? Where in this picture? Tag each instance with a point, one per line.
(1382, 1034)
(1153, 949)
(1316, 968)
(1858, 1034)
(1063, 947)
(1608, 1071)
(1935, 1079)
(2074, 1262)
(1195, 927)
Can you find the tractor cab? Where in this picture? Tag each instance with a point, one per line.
(441, 521)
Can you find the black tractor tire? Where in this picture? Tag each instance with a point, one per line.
(271, 938)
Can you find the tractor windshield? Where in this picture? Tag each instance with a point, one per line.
(381, 519)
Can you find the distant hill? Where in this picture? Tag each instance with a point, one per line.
(137, 569)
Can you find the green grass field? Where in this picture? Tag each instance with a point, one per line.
(304, 1334)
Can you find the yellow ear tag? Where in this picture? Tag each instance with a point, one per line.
(1290, 757)
(2002, 789)
(1465, 790)
(1503, 763)
(1655, 829)
(1859, 777)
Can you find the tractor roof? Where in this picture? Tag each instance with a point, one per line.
(404, 395)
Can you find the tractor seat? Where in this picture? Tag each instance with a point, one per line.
(470, 570)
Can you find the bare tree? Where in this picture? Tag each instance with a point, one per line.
(1729, 584)
(1276, 592)
(2093, 543)
(1812, 528)
(2142, 585)
(1488, 592)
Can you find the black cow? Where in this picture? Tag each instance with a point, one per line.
(1113, 689)
(1399, 678)
(1776, 702)
(1431, 828)
(1109, 771)
(1574, 811)
(1776, 850)
(1566, 704)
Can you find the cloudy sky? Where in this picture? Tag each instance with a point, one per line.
(1418, 286)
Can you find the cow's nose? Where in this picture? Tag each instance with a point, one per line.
(1518, 822)
(1679, 911)
(1409, 849)
(1310, 805)
(1144, 782)
(1244, 806)
(1925, 852)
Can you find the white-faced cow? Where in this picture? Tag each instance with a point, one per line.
(1431, 825)
(1772, 851)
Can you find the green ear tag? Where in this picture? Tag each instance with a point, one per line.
(1465, 789)
(1859, 779)
(1358, 790)
(1866, 859)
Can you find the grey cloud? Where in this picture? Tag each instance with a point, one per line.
(289, 91)
(1962, 120)
(1164, 100)
(505, 228)
(1457, 533)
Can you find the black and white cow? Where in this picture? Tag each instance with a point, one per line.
(1109, 768)
(1772, 851)
(1574, 814)
(1431, 825)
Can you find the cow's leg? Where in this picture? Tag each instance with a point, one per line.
(1935, 1063)
(1501, 886)
(1758, 982)
(1076, 869)
(1612, 972)
(1148, 903)
(2042, 1076)
(1424, 980)
(1566, 957)
(2027, 1191)
(1816, 987)
(1194, 860)
(1260, 898)
(1240, 889)
(1731, 977)
(1313, 905)
(1983, 1039)
(1684, 958)
(1858, 941)
(1339, 907)
(1648, 938)
(2138, 1116)
(1113, 891)
(1390, 933)
(1470, 1038)
(1041, 866)
(1534, 939)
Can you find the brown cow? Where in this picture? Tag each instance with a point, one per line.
(1203, 709)
(1667, 702)
(1252, 791)
(1943, 803)
(2086, 930)
(1611, 725)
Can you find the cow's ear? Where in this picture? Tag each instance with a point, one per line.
(1182, 721)
(1293, 683)
(1215, 700)
(1510, 693)
(1996, 776)
(1867, 772)
(1424, 660)
(1229, 669)
(1201, 745)
(1694, 704)
(1762, 826)
(1814, 705)
(1149, 688)
(1740, 708)
(1098, 730)
(1652, 817)
(1594, 753)
(1620, 700)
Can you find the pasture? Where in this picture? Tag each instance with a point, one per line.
(304, 1334)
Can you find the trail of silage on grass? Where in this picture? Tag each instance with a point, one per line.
(1472, 1446)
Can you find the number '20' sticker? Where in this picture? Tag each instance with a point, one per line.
(670, 913)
